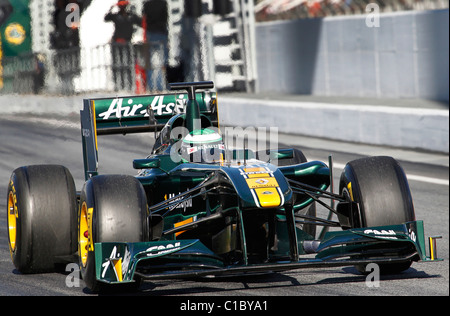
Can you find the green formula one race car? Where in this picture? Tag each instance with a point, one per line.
(199, 209)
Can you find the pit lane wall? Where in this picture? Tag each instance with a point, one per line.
(405, 56)
(399, 55)
(403, 127)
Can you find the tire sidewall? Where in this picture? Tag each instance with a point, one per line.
(17, 186)
(88, 272)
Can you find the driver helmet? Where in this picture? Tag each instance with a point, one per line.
(203, 146)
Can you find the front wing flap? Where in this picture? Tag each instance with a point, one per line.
(380, 243)
(117, 262)
(121, 262)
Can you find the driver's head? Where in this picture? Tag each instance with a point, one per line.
(203, 146)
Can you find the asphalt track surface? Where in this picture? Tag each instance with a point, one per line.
(26, 140)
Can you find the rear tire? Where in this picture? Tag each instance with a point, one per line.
(380, 187)
(42, 218)
(116, 208)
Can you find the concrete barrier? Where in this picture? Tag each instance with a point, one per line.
(40, 104)
(416, 128)
(405, 57)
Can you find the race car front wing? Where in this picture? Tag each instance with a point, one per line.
(124, 262)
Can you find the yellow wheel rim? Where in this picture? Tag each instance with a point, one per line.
(13, 214)
(83, 237)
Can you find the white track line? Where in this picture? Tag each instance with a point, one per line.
(411, 177)
(427, 179)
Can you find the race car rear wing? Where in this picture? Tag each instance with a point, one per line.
(133, 114)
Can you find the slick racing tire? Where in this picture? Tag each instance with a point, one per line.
(42, 218)
(380, 187)
(113, 208)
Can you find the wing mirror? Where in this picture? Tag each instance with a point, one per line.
(282, 154)
(147, 163)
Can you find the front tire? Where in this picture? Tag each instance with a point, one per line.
(113, 208)
(380, 187)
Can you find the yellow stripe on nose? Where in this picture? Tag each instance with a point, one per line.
(268, 197)
(256, 169)
(255, 183)
(258, 175)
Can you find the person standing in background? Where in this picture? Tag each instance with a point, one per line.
(155, 15)
(123, 60)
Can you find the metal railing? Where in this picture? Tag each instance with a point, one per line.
(120, 67)
(22, 74)
(104, 68)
